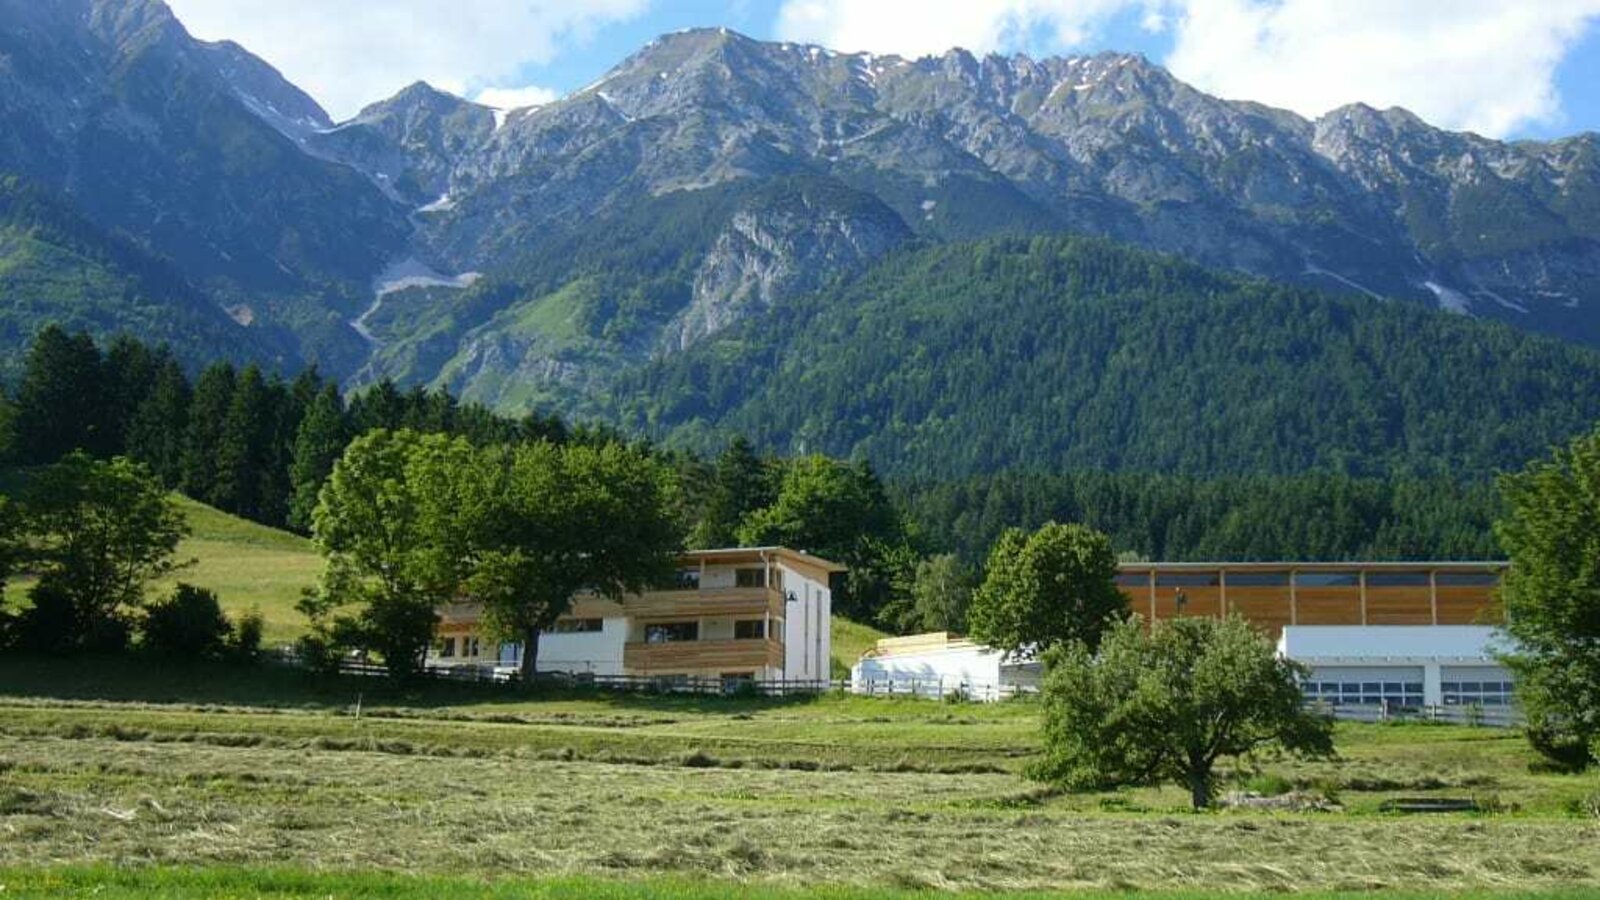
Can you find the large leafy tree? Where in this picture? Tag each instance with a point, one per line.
(841, 512)
(397, 521)
(572, 518)
(1551, 530)
(941, 594)
(1054, 586)
(103, 530)
(1165, 705)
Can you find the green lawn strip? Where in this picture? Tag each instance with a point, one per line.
(162, 882)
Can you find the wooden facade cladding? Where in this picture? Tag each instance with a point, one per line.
(666, 606)
(1274, 595)
(690, 656)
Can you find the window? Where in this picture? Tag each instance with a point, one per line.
(469, 647)
(671, 632)
(1388, 693)
(749, 629)
(1188, 579)
(1467, 579)
(750, 578)
(1397, 579)
(578, 626)
(1477, 693)
(447, 648)
(1133, 579)
(1258, 579)
(687, 580)
(1326, 579)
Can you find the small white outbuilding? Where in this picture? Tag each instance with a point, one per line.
(940, 663)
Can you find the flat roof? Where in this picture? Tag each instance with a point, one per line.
(1347, 566)
(787, 553)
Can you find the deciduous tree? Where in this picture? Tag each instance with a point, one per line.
(572, 518)
(1552, 598)
(1165, 705)
(1051, 587)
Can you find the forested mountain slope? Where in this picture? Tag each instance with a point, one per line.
(1059, 353)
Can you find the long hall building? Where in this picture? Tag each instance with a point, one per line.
(1274, 595)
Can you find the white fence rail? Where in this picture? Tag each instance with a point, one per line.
(1489, 716)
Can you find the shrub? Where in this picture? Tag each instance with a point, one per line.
(187, 625)
(50, 625)
(246, 643)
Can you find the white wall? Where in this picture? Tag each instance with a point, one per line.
(973, 665)
(597, 653)
(807, 626)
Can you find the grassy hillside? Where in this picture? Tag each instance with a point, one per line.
(249, 566)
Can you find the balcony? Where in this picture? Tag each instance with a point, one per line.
(674, 657)
(727, 603)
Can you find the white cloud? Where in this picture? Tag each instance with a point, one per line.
(348, 54)
(516, 98)
(1484, 65)
(931, 27)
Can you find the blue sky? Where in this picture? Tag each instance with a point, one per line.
(1504, 68)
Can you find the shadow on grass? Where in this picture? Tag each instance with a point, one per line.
(144, 680)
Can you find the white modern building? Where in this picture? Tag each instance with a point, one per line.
(1400, 665)
(758, 613)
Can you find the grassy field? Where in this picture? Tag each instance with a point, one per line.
(225, 773)
(132, 778)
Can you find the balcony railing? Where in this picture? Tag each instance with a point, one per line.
(734, 602)
(640, 658)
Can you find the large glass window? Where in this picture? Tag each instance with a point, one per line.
(1373, 693)
(1133, 579)
(1478, 693)
(749, 578)
(1258, 579)
(687, 580)
(447, 648)
(1327, 579)
(1397, 579)
(1188, 579)
(750, 629)
(671, 632)
(1467, 579)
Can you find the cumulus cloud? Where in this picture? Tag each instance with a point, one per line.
(1484, 65)
(931, 27)
(347, 54)
(516, 98)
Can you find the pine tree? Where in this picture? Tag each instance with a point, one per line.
(129, 375)
(156, 432)
(741, 485)
(213, 395)
(320, 442)
(243, 444)
(58, 408)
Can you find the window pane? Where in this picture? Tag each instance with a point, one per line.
(1467, 579)
(1187, 579)
(750, 577)
(1397, 579)
(1258, 579)
(750, 629)
(1326, 579)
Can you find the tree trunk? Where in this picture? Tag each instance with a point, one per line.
(1200, 786)
(530, 654)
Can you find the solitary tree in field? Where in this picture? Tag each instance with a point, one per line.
(1166, 705)
(571, 518)
(1051, 587)
(1552, 598)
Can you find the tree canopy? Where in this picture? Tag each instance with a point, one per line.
(1552, 598)
(1164, 705)
(1054, 586)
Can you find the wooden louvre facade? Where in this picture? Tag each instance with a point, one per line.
(1273, 595)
